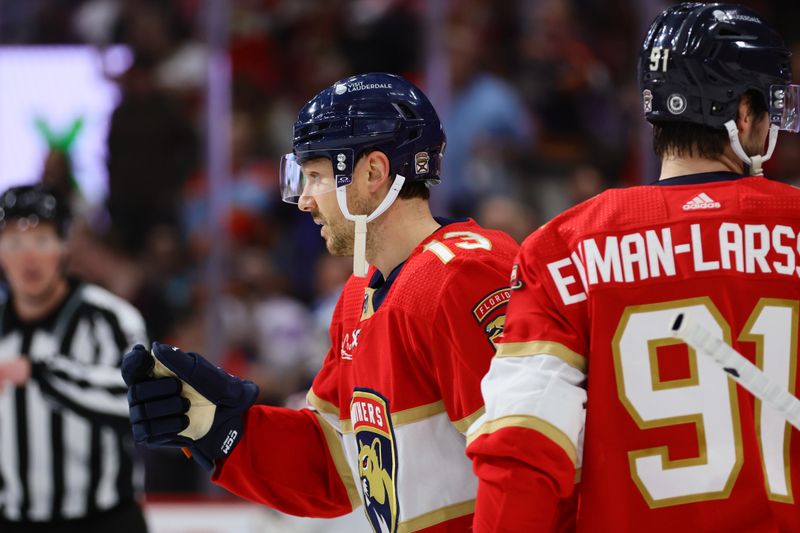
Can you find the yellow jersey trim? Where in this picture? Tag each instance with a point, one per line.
(321, 405)
(437, 517)
(532, 348)
(414, 414)
(339, 460)
(529, 422)
(464, 424)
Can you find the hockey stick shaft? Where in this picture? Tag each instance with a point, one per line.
(738, 367)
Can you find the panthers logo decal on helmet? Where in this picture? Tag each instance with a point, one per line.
(421, 160)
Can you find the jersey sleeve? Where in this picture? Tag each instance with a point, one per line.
(526, 447)
(469, 320)
(294, 460)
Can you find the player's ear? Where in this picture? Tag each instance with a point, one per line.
(747, 118)
(378, 170)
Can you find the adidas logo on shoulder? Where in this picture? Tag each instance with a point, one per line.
(701, 201)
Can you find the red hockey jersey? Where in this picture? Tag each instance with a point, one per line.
(669, 442)
(396, 393)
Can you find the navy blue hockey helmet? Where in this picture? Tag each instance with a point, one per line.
(375, 111)
(699, 59)
(33, 204)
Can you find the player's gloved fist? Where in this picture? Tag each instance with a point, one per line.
(180, 399)
(157, 409)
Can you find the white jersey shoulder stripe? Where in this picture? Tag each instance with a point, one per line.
(533, 348)
(514, 392)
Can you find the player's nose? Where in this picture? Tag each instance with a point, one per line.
(306, 203)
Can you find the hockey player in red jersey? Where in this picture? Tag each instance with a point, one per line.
(411, 336)
(589, 390)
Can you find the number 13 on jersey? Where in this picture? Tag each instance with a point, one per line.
(468, 240)
(707, 399)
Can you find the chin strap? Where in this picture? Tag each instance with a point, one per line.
(360, 265)
(755, 162)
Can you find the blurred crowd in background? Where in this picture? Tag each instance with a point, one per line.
(538, 98)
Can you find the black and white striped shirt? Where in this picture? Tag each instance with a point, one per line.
(66, 448)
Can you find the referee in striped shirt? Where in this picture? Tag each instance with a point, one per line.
(66, 452)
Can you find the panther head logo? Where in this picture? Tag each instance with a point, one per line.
(375, 480)
(494, 329)
(370, 467)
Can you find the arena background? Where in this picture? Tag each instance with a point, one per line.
(164, 122)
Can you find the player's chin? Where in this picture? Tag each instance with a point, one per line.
(338, 251)
(337, 247)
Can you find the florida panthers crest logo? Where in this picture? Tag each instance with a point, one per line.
(377, 458)
(490, 313)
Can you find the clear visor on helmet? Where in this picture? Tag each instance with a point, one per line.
(313, 173)
(784, 107)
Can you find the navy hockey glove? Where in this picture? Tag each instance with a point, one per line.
(179, 399)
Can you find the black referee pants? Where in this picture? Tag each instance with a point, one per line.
(126, 518)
